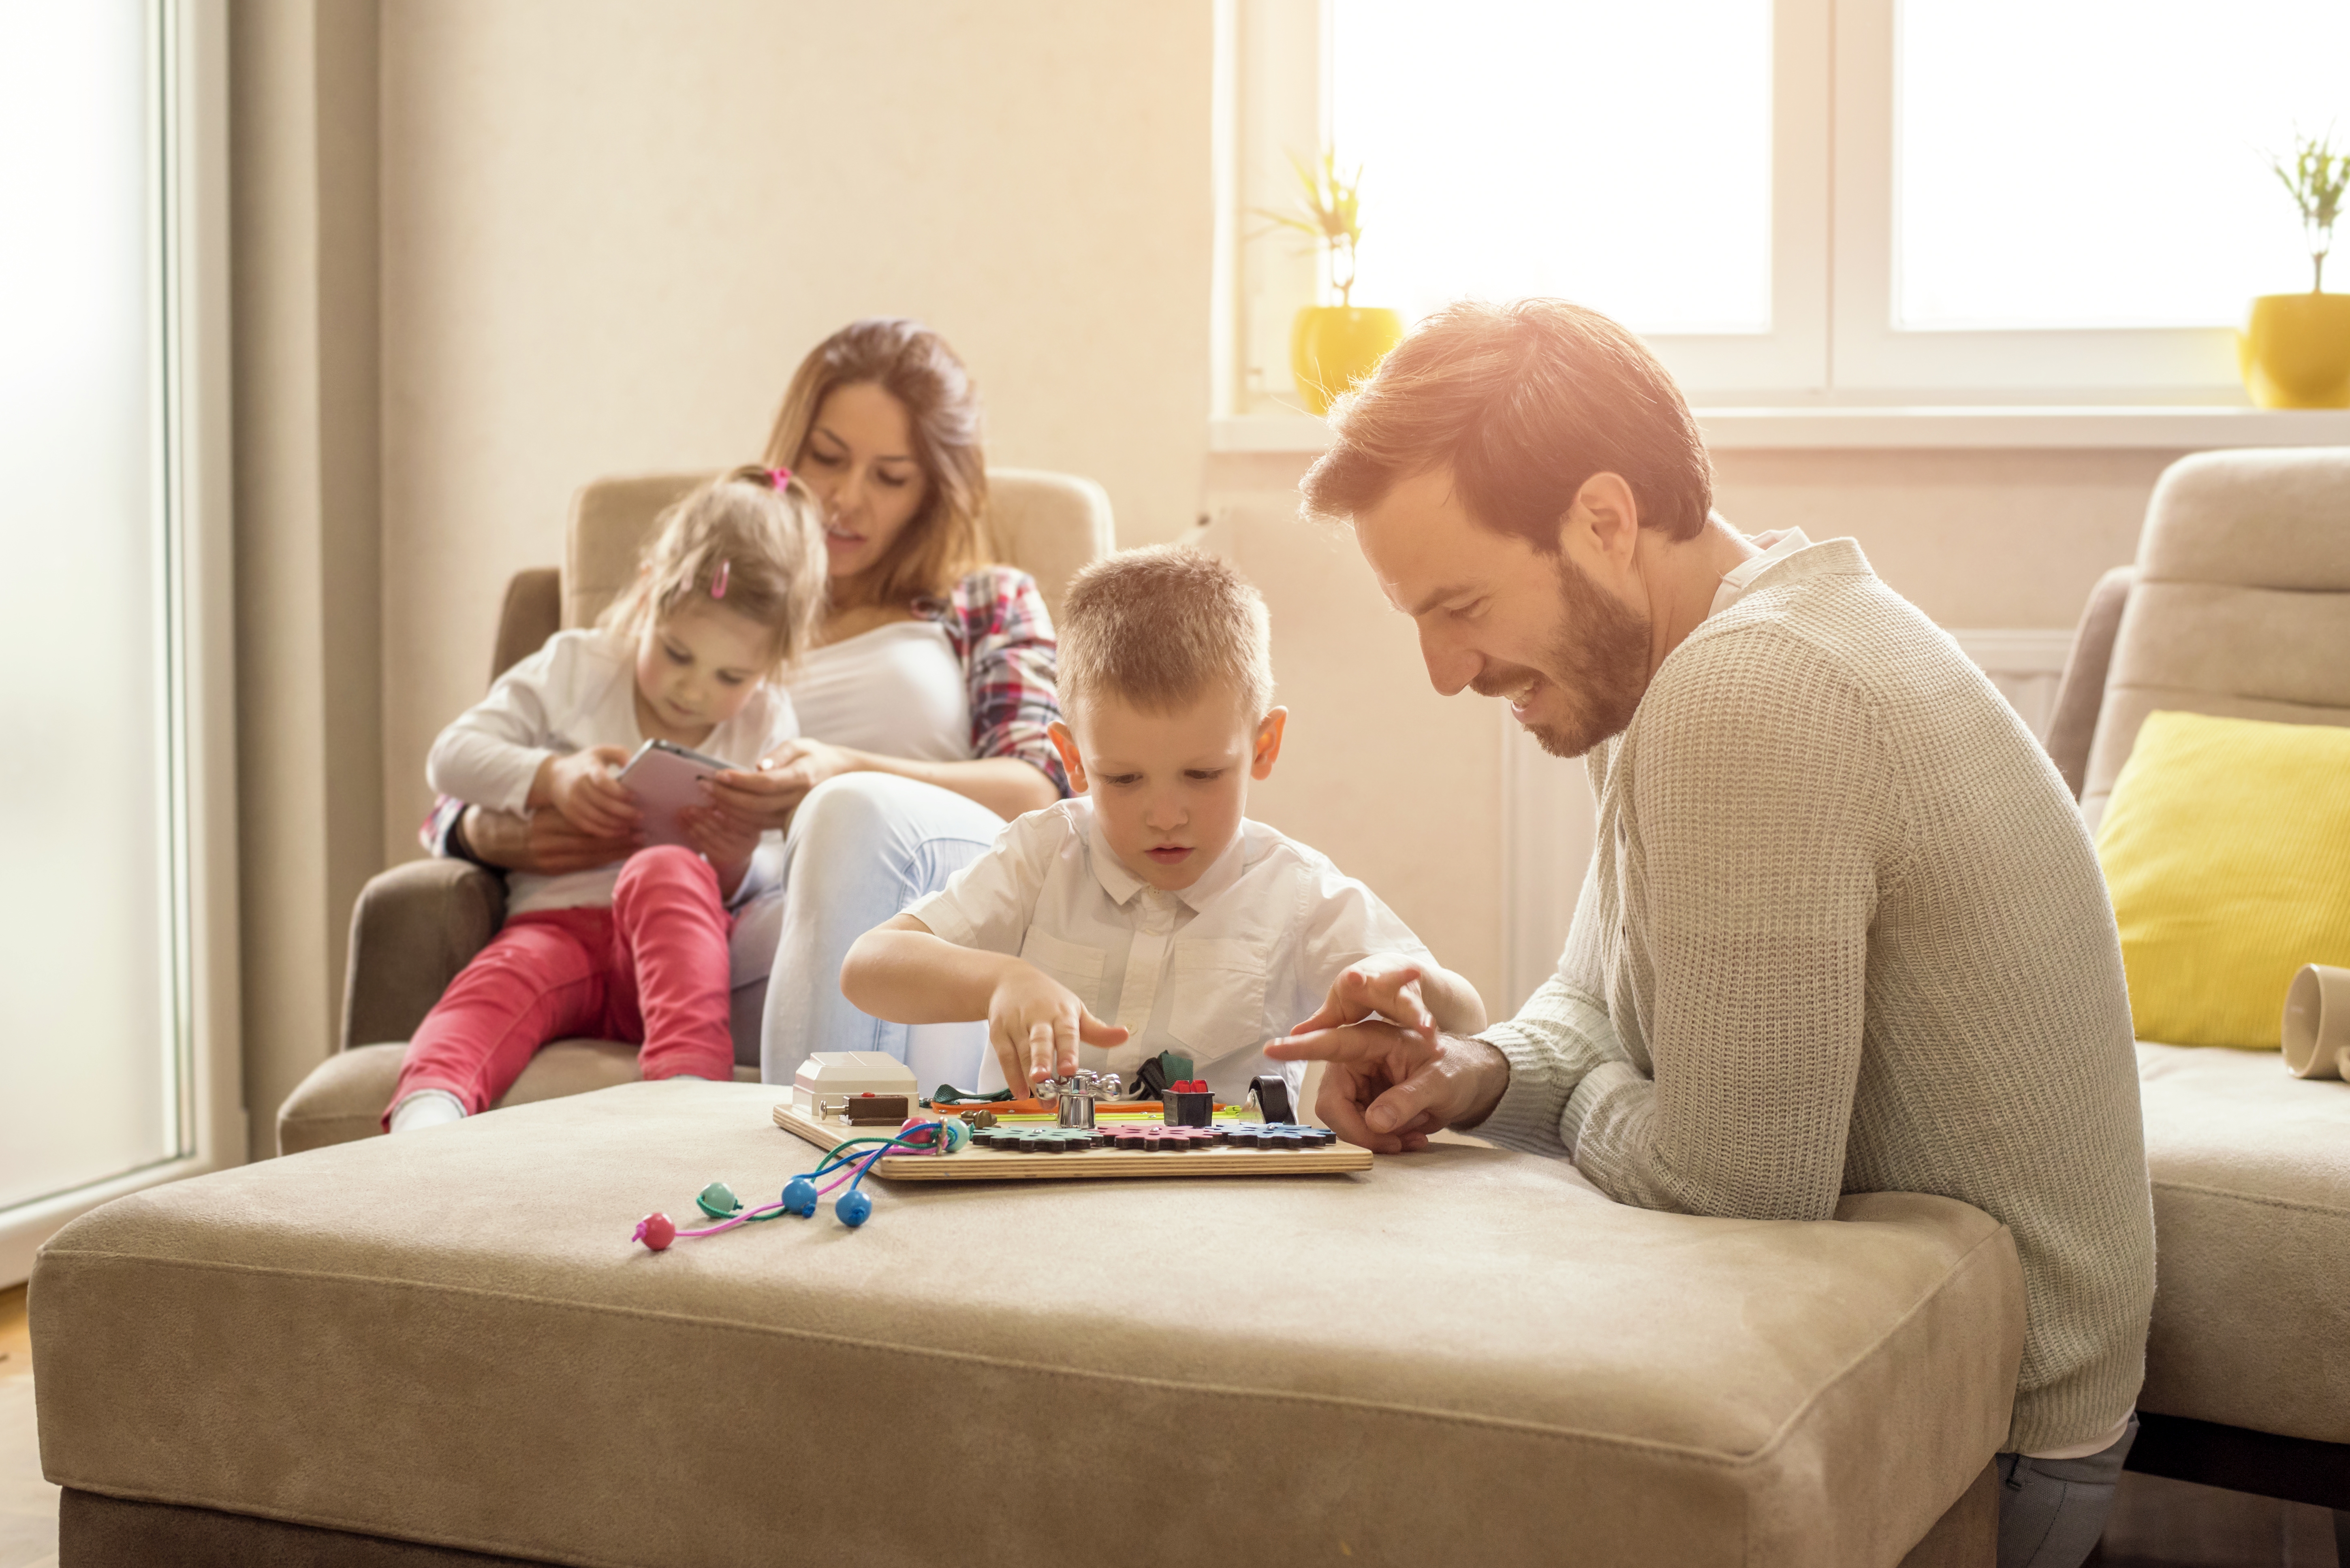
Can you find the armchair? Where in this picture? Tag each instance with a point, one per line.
(417, 924)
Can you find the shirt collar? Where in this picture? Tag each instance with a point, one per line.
(1122, 884)
(1777, 546)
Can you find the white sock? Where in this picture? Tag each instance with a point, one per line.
(427, 1108)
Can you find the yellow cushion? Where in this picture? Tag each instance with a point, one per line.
(2226, 847)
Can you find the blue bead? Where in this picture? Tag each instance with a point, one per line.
(854, 1209)
(799, 1196)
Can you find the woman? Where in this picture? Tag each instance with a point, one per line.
(925, 703)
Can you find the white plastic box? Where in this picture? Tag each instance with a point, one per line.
(830, 1074)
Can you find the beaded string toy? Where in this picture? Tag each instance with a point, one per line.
(853, 1207)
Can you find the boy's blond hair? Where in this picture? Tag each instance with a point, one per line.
(751, 541)
(1159, 627)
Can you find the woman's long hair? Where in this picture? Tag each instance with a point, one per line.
(947, 537)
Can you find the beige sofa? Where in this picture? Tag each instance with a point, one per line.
(2239, 605)
(416, 925)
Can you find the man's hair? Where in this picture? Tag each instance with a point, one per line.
(1524, 403)
(1159, 627)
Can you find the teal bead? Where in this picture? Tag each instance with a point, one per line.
(718, 1201)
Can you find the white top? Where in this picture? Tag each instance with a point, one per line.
(898, 689)
(580, 691)
(1212, 973)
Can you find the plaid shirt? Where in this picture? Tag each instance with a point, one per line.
(1003, 633)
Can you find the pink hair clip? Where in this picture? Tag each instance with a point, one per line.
(779, 477)
(718, 580)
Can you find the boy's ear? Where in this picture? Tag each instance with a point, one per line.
(1066, 745)
(1268, 743)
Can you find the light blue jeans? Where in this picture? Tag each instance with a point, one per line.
(861, 848)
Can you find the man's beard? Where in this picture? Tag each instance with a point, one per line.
(1598, 662)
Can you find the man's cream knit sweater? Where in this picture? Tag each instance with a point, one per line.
(1845, 933)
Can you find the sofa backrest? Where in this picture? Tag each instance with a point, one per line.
(2241, 603)
(1048, 525)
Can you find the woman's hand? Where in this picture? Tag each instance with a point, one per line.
(770, 794)
(542, 842)
(723, 839)
(583, 788)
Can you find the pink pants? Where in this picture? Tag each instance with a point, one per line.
(652, 969)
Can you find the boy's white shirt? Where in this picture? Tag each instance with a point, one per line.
(580, 691)
(1213, 972)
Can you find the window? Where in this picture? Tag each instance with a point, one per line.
(105, 1050)
(1802, 201)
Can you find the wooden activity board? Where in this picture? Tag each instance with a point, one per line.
(977, 1164)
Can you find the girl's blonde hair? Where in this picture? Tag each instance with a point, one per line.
(948, 538)
(751, 541)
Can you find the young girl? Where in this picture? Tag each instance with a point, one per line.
(727, 596)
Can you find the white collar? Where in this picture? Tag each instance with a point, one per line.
(1122, 884)
(1777, 546)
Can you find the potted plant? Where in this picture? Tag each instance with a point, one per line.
(2295, 351)
(1332, 346)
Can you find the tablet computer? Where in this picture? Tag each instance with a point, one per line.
(665, 778)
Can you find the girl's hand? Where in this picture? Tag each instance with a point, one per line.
(769, 795)
(581, 786)
(1386, 984)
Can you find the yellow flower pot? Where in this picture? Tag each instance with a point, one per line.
(2295, 351)
(1332, 346)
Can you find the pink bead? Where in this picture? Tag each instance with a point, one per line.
(655, 1230)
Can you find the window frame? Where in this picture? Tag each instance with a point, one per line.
(1835, 341)
(188, 45)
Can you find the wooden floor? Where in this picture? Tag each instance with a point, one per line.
(2156, 1524)
(28, 1504)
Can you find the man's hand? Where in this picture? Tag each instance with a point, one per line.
(581, 786)
(541, 841)
(769, 794)
(1386, 984)
(1387, 1088)
(1034, 1024)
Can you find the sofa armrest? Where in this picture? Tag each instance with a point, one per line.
(533, 613)
(414, 927)
(2081, 694)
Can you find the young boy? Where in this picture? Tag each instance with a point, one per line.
(1149, 914)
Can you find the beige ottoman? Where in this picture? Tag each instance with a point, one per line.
(1467, 1355)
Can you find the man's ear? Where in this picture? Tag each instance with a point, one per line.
(1607, 516)
(1268, 743)
(1066, 745)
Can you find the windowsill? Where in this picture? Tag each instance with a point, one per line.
(1730, 430)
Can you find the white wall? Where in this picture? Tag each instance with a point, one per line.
(611, 230)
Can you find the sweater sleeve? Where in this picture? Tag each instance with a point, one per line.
(491, 753)
(1763, 813)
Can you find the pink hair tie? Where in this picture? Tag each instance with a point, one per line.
(779, 477)
(718, 581)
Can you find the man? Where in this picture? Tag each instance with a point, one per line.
(1843, 930)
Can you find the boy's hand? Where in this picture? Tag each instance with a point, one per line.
(581, 786)
(1034, 1024)
(1386, 984)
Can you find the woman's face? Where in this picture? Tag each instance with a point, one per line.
(859, 460)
